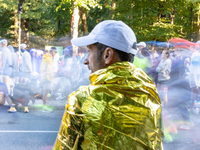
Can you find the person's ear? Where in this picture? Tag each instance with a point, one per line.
(108, 56)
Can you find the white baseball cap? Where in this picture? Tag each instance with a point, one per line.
(115, 34)
(23, 45)
(4, 41)
(142, 44)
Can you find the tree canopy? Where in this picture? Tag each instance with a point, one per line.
(150, 19)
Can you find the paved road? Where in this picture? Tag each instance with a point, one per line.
(36, 130)
(184, 139)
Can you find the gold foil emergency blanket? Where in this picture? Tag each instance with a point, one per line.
(119, 110)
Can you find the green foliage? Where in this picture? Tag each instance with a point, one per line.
(150, 19)
(7, 9)
(98, 14)
(5, 23)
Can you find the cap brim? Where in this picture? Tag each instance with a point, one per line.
(83, 41)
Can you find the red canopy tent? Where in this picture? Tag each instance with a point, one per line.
(183, 43)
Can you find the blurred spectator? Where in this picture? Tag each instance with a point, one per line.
(34, 59)
(141, 45)
(178, 69)
(54, 53)
(155, 60)
(26, 65)
(23, 47)
(4, 95)
(171, 56)
(23, 92)
(15, 65)
(194, 76)
(145, 62)
(187, 63)
(164, 69)
(6, 64)
(68, 50)
(46, 75)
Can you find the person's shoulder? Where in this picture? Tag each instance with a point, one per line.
(5, 49)
(168, 60)
(47, 58)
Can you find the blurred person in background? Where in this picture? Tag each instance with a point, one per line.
(6, 64)
(145, 62)
(164, 69)
(84, 75)
(187, 63)
(46, 76)
(24, 92)
(177, 68)
(23, 47)
(194, 76)
(26, 65)
(171, 56)
(75, 72)
(121, 108)
(15, 65)
(179, 94)
(4, 96)
(34, 59)
(140, 46)
(55, 55)
(155, 60)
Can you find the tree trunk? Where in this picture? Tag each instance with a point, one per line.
(83, 20)
(16, 25)
(25, 31)
(159, 17)
(59, 24)
(160, 10)
(74, 26)
(192, 22)
(172, 16)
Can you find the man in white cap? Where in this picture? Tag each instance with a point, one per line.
(121, 108)
(23, 47)
(6, 63)
(26, 65)
(54, 53)
(141, 45)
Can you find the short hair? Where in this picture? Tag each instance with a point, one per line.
(168, 53)
(122, 55)
(53, 49)
(145, 52)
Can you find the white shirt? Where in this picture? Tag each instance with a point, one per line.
(55, 62)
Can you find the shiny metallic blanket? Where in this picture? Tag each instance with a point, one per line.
(119, 110)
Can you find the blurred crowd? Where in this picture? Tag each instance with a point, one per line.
(176, 74)
(31, 74)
